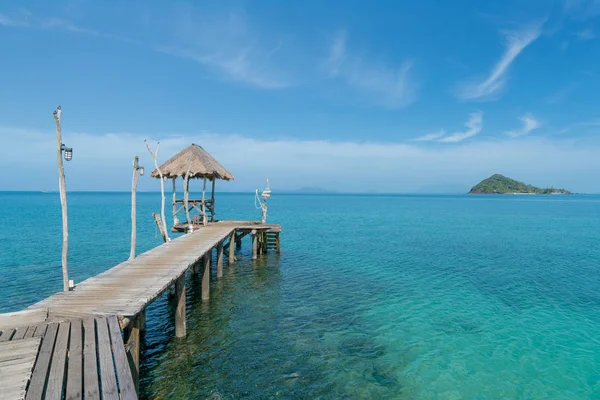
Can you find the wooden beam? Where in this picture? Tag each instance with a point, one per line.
(206, 277)
(220, 260)
(180, 326)
(232, 247)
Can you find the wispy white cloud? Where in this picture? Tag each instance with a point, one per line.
(516, 42)
(586, 34)
(22, 18)
(228, 46)
(430, 136)
(392, 167)
(474, 126)
(392, 87)
(560, 95)
(528, 124)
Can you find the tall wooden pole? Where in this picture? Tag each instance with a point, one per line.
(133, 206)
(162, 189)
(63, 199)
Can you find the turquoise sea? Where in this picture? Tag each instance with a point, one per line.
(383, 297)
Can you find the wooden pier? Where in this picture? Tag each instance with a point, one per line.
(70, 344)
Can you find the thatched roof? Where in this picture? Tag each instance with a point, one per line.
(203, 165)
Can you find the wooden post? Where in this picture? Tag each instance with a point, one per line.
(133, 343)
(212, 204)
(206, 277)
(175, 219)
(180, 330)
(142, 317)
(186, 194)
(162, 188)
(161, 226)
(133, 206)
(62, 187)
(232, 247)
(254, 245)
(220, 260)
(277, 243)
(204, 219)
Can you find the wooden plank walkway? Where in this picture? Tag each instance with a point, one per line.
(69, 345)
(128, 287)
(47, 361)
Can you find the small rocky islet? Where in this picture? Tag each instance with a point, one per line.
(499, 184)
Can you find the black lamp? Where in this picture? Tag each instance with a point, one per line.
(68, 152)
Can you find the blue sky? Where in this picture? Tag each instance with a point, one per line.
(347, 95)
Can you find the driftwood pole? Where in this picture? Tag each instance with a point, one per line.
(136, 171)
(186, 193)
(63, 199)
(162, 190)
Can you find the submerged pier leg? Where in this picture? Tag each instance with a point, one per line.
(220, 260)
(231, 248)
(180, 328)
(277, 243)
(132, 338)
(254, 245)
(142, 318)
(206, 277)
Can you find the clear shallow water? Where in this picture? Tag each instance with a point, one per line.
(449, 297)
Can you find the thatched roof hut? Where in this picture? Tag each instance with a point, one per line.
(201, 165)
(198, 160)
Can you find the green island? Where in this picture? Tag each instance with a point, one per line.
(499, 184)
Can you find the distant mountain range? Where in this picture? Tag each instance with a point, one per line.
(499, 184)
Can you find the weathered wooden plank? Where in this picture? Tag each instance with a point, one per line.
(54, 389)
(6, 335)
(20, 333)
(107, 372)
(42, 365)
(30, 332)
(40, 330)
(15, 373)
(91, 387)
(75, 370)
(126, 384)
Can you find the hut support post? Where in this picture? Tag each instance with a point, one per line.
(186, 194)
(212, 198)
(220, 260)
(206, 276)
(204, 219)
(254, 245)
(175, 219)
(62, 186)
(232, 247)
(133, 207)
(180, 329)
